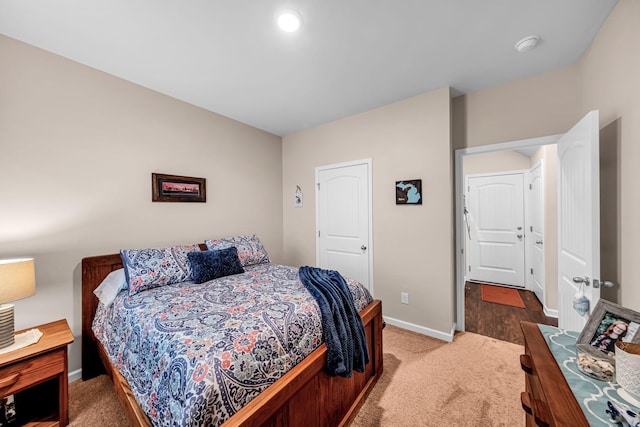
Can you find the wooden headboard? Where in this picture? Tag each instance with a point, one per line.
(94, 270)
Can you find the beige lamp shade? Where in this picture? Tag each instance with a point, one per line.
(17, 279)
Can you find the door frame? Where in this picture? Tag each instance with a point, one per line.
(368, 163)
(459, 205)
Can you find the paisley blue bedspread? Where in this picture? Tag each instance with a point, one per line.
(195, 354)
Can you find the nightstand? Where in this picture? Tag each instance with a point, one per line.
(37, 376)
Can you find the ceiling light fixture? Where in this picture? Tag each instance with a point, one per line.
(289, 21)
(527, 43)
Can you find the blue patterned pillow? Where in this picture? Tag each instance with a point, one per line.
(250, 250)
(150, 268)
(209, 265)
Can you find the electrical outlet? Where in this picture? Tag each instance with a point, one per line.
(404, 297)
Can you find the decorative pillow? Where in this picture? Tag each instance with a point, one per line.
(250, 250)
(209, 265)
(111, 286)
(150, 268)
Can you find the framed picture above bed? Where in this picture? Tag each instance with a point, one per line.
(174, 188)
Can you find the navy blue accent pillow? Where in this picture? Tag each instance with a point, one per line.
(209, 265)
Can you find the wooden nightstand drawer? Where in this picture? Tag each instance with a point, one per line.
(22, 375)
(37, 376)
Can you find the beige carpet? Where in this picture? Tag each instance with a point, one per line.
(474, 381)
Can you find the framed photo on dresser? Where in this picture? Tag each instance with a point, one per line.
(608, 324)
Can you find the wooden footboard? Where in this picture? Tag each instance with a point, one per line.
(304, 396)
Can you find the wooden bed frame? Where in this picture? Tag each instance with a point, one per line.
(305, 396)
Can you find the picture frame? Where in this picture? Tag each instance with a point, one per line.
(595, 337)
(409, 192)
(175, 188)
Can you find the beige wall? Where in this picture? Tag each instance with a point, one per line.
(610, 71)
(541, 105)
(413, 245)
(494, 161)
(77, 149)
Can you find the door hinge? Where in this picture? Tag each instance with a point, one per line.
(531, 228)
(532, 271)
(318, 233)
(530, 187)
(318, 186)
(469, 269)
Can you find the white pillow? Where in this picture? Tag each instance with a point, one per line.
(111, 286)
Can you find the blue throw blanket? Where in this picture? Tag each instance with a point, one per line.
(342, 326)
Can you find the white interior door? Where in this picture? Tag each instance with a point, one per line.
(578, 219)
(536, 231)
(495, 205)
(343, 203)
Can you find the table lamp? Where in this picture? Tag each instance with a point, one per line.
(17, 281)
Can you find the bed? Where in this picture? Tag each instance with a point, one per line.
(304, 395)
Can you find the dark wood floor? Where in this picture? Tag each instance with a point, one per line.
(498, 320)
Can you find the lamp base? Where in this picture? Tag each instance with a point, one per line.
(7, 326)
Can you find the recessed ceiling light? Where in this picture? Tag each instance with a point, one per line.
(289, 21)
(527, 43)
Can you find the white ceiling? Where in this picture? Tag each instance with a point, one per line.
(349, 56)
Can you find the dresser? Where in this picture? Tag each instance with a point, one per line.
(557, 392)
(547, 399)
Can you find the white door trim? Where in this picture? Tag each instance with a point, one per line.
(459, 186)
(369, 208)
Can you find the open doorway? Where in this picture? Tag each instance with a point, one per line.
(523, 155)
(580, 175)
(506, 196)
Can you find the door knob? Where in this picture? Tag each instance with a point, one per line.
(605, 283)
(538, 242)
(363, 247)
(519, 236)
(584, 280)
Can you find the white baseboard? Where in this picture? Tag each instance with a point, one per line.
(75, 375)
(421, 329)
(550, 313)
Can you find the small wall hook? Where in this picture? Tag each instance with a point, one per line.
(297, 197)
